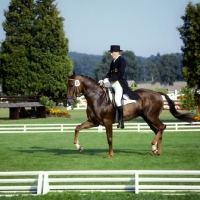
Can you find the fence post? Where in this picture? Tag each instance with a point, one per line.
(40, 183)
(100, 129)
(24, 128)
(136, 183)
(138, 127)
(45, 183)
(176, 126)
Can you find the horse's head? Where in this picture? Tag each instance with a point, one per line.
(80, 85)
(74, 88)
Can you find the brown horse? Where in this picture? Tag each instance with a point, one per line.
(100, 111)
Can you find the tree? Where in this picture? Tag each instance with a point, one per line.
(190, 36)
(36, 40)
(167, 67)
(50, 49)
(84, 64)
(102, 68)
(152, 74)
(179, 73)
(14, 66)
(133, 69)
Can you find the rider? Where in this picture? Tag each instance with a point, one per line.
(116, 76)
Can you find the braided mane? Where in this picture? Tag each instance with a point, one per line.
(89, 78)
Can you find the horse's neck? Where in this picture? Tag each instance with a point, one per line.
(100, 95)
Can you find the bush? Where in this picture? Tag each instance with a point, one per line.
(187, 98)
(49, 104)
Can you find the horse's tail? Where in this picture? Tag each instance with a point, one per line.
(186, 117)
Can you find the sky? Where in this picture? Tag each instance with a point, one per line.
(146, 27)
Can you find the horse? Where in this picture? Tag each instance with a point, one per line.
(101, 111)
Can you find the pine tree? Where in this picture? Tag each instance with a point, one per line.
(50, 49)
(14, 66)
(34, 54)
(190, 35)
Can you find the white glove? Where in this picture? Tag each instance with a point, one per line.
(105, 80)
(101, 82)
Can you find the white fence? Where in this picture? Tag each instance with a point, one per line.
(21, 182)
(129, 127)
(100, 180)
(82, 104)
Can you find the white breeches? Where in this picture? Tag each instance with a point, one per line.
(118, 92)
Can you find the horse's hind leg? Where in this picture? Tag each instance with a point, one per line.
(157, 143)
(157, 127)
(86, 124)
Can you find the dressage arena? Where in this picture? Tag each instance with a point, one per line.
(39, 163)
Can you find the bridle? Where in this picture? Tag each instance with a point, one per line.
(76, 92)
(76, 85)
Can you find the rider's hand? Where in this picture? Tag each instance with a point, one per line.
(101, 82)
(105, 80)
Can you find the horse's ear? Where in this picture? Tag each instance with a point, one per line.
(71, 76)
(74, 74)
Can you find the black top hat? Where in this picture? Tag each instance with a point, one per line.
(114, 48)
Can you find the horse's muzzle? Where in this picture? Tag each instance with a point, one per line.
(70, 101)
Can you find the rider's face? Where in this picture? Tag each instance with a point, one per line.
(114, 54)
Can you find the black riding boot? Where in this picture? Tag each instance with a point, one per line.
(120, 117)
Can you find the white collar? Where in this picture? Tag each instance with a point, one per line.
(116, 58)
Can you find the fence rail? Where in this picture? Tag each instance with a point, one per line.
(100, 180)
(129, 127)
(21, 182)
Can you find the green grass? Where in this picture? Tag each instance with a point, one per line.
(56, 151)
(105, 196)
(48, 151)
(132, 151)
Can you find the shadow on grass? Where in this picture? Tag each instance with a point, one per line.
(58, 152)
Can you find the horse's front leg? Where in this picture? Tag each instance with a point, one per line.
(109, 139)
(86, 124)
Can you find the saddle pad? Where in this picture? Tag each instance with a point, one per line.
(126, 98)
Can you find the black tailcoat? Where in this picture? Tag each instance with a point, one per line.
(117, 73)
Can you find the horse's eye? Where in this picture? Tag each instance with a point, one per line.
(70, 85)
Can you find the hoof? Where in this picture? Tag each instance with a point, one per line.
(108, 156)
(80, 149)
(155, 153)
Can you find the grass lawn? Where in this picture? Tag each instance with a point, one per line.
(49, 151)
(56, 151)
(132, 151)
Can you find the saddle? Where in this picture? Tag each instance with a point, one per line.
(110, 96)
